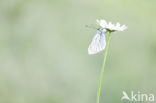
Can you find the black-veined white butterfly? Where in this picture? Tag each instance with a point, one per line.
(98, 42)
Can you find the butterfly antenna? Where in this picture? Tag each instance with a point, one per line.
(90, 27)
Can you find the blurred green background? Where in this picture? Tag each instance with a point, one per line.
(43, 50)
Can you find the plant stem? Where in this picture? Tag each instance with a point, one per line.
(103, 66)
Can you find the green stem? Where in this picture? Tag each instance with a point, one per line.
(102, 69)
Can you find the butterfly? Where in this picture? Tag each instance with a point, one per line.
(98, 42)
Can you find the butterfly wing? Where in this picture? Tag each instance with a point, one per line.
(97, 44)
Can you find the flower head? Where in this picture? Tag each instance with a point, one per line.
(111, 27)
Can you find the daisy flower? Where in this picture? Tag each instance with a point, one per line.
(111, 27)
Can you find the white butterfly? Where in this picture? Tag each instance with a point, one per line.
(98, 42)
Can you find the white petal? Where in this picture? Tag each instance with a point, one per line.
(111, 26)
(123, 27)
(102, 23)
(117, 25)
(98, 21)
